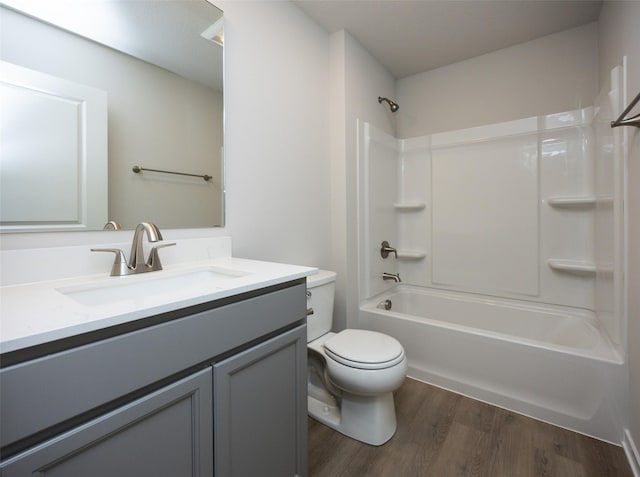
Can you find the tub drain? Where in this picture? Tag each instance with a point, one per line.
(385, 305)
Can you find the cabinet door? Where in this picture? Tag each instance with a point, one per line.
(260, 409)
(166, 433)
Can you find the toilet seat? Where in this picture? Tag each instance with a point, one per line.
(364, 349)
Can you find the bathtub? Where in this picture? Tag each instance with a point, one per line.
(549, 362)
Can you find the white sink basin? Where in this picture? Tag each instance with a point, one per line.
(151, 284)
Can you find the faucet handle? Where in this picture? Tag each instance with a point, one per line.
(385, 249)
(154, 258)
(120, 263)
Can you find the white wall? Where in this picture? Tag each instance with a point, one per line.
(619, 35)
(340, 258)
(276, 144)
(277, 133)
(551, 74)
(357, 81)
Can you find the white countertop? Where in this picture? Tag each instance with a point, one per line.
(36, 313)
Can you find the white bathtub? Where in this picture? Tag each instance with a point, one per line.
(550, 362)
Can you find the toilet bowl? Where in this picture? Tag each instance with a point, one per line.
(351, 374)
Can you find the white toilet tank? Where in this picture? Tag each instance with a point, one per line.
(321, 288)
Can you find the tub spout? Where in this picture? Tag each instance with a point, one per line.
(391, 276)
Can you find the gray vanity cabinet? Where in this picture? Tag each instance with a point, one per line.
(260, 425)
(167, 433)
(222, 384)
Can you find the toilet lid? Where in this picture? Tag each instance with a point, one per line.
(364, 349)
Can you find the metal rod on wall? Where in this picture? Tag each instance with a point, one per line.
(633, 121)
(138, 169)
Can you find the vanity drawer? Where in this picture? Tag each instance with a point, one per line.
(47, 391)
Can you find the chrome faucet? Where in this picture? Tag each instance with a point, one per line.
(391, 276)
(136, 257)
(112, 225)
(137, 262)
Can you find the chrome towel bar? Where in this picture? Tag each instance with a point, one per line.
(138, 169)
(632, 121)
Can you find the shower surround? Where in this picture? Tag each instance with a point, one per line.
(507, 236)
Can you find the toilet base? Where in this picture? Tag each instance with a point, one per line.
(368, 419)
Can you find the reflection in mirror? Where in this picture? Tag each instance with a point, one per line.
(158, 65)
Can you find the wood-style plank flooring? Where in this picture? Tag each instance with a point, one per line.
(442, 434)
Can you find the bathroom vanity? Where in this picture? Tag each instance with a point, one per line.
(214, 387)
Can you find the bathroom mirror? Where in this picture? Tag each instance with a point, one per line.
(158, 66)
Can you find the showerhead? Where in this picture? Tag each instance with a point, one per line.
(394, 106)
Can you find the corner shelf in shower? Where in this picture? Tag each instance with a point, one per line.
(409, 206)
(572, 201)
(411, 254)
(605, 200)
(572, 266)
(605, 268)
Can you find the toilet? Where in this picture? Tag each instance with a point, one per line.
(351, 374)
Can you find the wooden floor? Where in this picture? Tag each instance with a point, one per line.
(442, 434)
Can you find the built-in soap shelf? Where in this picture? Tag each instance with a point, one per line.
(411, 254)
(572, 266)
(605, 268)
(571, 201)
(408, 206)
(605, 199)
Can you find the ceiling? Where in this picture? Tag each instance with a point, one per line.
(410, 37)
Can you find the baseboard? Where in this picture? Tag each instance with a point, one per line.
(633, 456)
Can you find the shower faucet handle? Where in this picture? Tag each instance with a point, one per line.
(386, 249)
